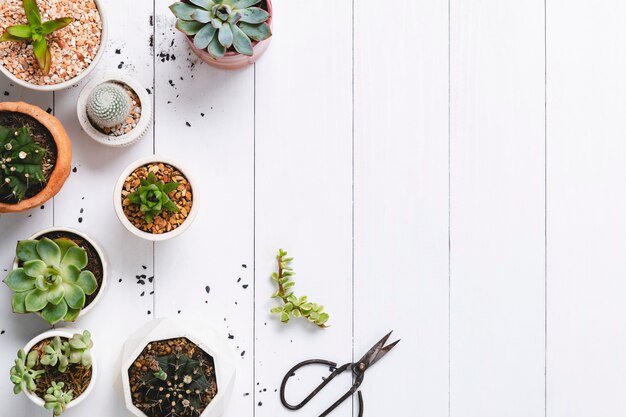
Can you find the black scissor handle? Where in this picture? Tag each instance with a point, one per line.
(335, 373)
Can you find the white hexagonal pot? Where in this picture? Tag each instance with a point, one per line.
(207, 338)
(64, 334)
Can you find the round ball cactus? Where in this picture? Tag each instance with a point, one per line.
(108, 105)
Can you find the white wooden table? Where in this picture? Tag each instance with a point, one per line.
(451, 170)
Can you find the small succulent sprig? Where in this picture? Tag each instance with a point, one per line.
(57, 398)
(21, 161)
(23, 375)
(176, 384)
(152, 197)
(36, 31)
(294, 306)
(108, 105)
(75, 351)
(218, 25)
(53, 281)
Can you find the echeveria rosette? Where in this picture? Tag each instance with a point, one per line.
(52, 281)
(20, 161)
(36, 31)
(218, 25)
(152, 197)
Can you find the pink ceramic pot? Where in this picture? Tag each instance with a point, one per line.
(234, 60)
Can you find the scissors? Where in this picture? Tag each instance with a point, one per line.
(358, 369)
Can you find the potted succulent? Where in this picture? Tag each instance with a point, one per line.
(114, 110)
(35, 156)
(228, 34)
(176, 368)
(49, 45)
(154, 199)
(55, 370)
(58, 274)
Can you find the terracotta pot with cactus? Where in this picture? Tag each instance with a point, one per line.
(35, 156)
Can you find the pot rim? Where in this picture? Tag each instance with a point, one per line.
(129, 138)
(61, 170)
(117, 199)
(101, 254)
(69, 83)
(64, 333)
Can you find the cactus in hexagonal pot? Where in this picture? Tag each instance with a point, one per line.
(108, 105)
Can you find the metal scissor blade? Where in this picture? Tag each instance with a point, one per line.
(378, 351)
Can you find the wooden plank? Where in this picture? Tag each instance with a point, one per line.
(86, 203)
(303, 196)
(586, 228)
(401, 204)
(497, 208)
(205, 118)
(17, 330)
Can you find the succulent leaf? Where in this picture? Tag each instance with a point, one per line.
(57, 399)
(238, 23)
(54, 25)
(22, 375)
(52, 278)
(152, 197)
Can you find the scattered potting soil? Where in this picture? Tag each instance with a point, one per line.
(131, 121)
(94, 263)
(42, 136)
(75, 378)
(182, 197)
(139, 370)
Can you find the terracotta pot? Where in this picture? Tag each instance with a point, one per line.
(64, 156)
(235, 60)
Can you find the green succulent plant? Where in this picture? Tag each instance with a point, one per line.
(108, 105)
(152, 197)
(62, 353)
(57, 399)
(175, 384)
(36, 31)
(293, 306)
(54, 355)
(23, 375)
(20, 161)
(78, 349)
(219, 25)
(52, 281)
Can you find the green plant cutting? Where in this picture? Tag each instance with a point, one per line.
(152, 197)
(52, 280)
(58, 354)
(293, 306)
(36, 31)
(21, 161)
(219, 25)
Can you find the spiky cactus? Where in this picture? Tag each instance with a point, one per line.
(175, 383)
(108, 105)
(20, 161)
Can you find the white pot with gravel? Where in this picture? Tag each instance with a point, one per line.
(56, 46)
(155, 198)
(114, 110)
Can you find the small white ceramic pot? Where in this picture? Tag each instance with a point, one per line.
(67, 84)
(64, 334)
(205, 337)
(117, 199)
(101, 255)
(129, 138)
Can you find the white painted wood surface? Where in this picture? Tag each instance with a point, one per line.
(440, 184)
